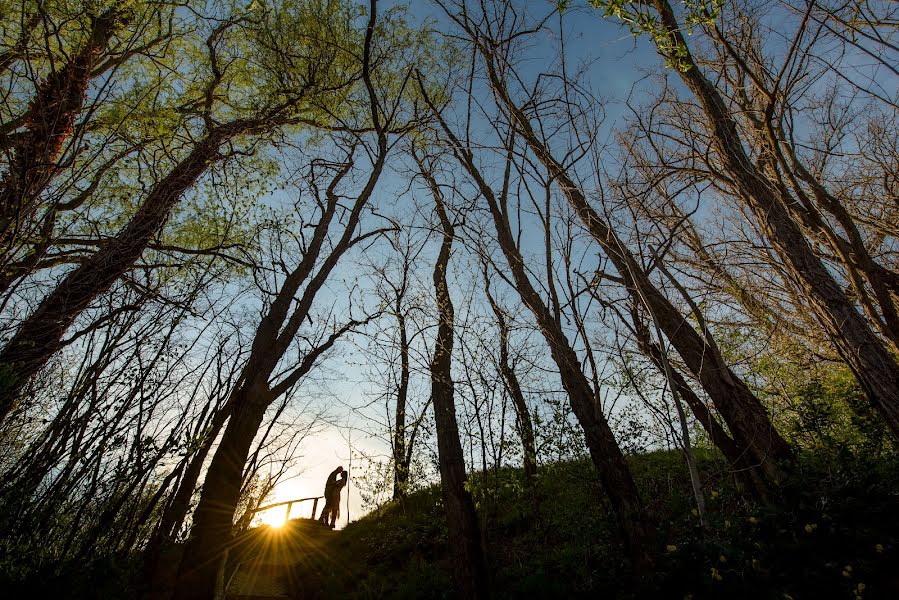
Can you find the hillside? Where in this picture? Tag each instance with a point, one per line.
(833, 533)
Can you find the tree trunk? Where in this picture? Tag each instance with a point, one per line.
(49, 122)
(469, 566)
(176, 511)
(40, 336)
(866, 354)
(214, 516)
(400, 463)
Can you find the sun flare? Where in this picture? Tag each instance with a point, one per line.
(274, 518)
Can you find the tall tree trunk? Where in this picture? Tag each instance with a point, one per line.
(400, 442)
(213, 518)
(866, 354)
(523, 422)
(48, 123)
(469, 566)
(741, 409)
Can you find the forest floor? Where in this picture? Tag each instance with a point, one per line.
(832, 532)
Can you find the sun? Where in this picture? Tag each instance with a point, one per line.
(274, 518)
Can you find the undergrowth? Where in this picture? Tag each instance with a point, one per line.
(831, 532)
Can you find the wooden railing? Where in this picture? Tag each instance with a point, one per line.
(290, 504)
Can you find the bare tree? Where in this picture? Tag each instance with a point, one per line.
(773, 205)
(469, 565)
(740, 408)
(260, 384)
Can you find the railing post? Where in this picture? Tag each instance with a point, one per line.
(287, 516)
(314, 507)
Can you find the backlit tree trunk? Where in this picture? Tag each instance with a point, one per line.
(743, 412)
(214, 515)
(469, 567)
(866, 354)
(47, 125)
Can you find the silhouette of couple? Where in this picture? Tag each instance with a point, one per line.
(332, 496)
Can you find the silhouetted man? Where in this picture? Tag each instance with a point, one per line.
(332, 496)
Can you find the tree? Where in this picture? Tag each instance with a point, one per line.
(773, 205)
(614, 473)
(260, 384)
(741, 410)
(469, 565)
(292, 92)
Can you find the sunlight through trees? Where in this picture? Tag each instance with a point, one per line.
(647, 252)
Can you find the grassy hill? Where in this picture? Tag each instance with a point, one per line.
(833, 532)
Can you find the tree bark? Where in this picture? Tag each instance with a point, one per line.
(523, 422)
(866, 354)
(740, 408)
(48, 123)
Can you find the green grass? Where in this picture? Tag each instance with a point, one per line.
(832, 532)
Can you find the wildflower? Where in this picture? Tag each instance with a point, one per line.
(878, 548)
(753, 520)
(715, 494)
(727, 523)
(671, 548)
(722, 559)
(810, 527)
(716, 576)
(756, 564)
